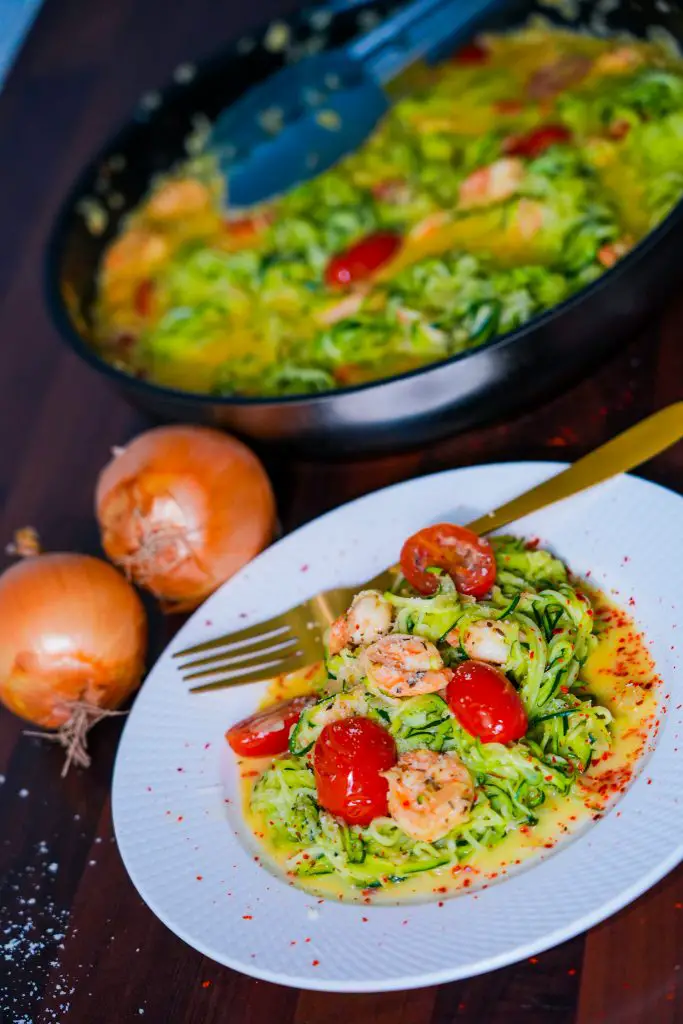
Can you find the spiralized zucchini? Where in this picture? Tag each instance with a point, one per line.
(548, 625)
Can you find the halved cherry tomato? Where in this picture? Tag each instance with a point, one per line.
(267, 732)
(468, 559)
(537, 141)
(144, 297)
(361, 260)
(473, 53)
(347, 760)
(486, 703)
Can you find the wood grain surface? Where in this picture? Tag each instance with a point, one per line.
(76, 942)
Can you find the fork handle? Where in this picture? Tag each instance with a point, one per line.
(624, 452)
(627, 450)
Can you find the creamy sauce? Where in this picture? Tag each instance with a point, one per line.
(620, 675)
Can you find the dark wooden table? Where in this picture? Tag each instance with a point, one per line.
(76, 941)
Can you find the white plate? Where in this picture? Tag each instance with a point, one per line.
(192, 861)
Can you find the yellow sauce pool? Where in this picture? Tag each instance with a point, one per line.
(620, 675)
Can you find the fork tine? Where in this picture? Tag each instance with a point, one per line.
(262, 672)
(236, 659)
(262, 630)
(275, 659)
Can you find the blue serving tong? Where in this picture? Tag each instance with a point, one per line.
(305, 117)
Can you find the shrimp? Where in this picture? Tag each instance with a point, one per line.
(404, 665)
(619, 61)
(492, 184)
(611, 253)
(429, 794)
(483, 640)
(369, 617)
(136, 253)
(529, 218)
(343, 309)
(180, 198)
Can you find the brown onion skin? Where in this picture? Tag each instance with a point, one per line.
(187, 481)
(71, 629)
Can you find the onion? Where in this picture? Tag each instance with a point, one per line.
(73, 638)
(181, 509)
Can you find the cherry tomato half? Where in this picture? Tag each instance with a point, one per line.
(347, 760)
(361, 260)
(535, 142)
(472, 53)
(267, 732)
(468, 559)
(486, 703)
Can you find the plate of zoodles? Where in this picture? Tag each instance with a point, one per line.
(417, 806)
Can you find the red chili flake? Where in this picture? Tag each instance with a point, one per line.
(467, 882)
(180, 769)
(247, 917)
(180, 817)
(208, 622)
(315, 963)
(149, 789)
(200, 878)
(364, 920)
(307, 940)
(440, 903)
(531, 655)
(571, 972)
(206, 984)
(678, 906)
(304, 568)
(533, 959)
(206, 746)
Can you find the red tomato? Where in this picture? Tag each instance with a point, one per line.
(473, 53)
(267, 732)
(468, 559)
(361, 260)
(486, 703)
(347, 760)
(144, 297)
(537, 141)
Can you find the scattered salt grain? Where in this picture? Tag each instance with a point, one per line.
(23, 793)
(53, 868)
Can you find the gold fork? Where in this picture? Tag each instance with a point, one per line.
(295, 638)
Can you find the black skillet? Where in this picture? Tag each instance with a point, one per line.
(509, 373)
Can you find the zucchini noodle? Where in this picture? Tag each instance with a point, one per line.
(548, 626)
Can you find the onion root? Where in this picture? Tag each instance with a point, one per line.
(72, 734)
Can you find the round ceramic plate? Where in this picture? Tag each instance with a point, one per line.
(176, 803)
